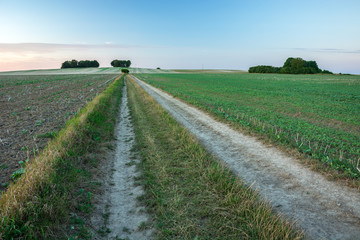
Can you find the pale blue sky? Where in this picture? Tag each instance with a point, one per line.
(225, 34)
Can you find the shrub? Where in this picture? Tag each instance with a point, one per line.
(291, 66)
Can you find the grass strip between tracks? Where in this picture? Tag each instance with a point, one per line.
(189, 194)
(56, 182)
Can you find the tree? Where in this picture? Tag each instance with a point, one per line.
(94, 64)
(114, 63)
(74, 63)
(80, 64)
(87, 63)
(264, 69)
(120, 63)
(66, 64)
(291, 66)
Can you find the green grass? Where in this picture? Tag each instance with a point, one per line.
(54, 194)
(189, 194)
(48, 135)
(318, 115)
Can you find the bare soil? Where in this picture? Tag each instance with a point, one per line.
(324, 209)
(33, 107)
(117, 213)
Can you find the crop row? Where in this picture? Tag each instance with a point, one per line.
(34, 108)
(318, 115)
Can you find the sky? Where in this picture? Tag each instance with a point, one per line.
(195, 34)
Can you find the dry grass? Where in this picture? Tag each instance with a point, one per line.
(190, 194)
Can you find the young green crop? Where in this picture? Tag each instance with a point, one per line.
(317, 114)
(189, 194)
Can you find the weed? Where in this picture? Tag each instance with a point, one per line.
(17, 174)
(106, 216)
(128, 140)
(142, 226)
(50, 135)
(110, 146)
(3, 166)
(103, 231)
(131, 163)
(86, 205)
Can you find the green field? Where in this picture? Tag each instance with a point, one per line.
(188, 192)
(319, 115)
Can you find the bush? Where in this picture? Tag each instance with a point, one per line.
(124, 70)
(326, 72)
(291, 66)
(264, 69)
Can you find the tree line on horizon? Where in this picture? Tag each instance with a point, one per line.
(120, 63)
(93, 63)
(291, 66)
(80, 64)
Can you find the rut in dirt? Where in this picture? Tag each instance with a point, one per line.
(324, 209)
(119, 215)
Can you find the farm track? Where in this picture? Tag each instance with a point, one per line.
(119, 201)
(325, 210)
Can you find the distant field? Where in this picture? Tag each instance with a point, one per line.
(34, 108)
(104, 70)
(317, 114)
(207, 71)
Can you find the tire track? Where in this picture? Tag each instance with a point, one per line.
(324, 209)
(119, 215)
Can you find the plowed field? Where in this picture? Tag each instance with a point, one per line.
(34, 108)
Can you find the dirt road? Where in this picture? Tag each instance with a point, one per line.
(325, 210)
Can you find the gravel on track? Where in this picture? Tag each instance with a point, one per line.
(118, 211)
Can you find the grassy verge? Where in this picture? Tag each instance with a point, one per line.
(50, 197)
(189, 193)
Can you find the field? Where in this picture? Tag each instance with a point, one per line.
(189, 193)
(104, 70)
(34, 108)
(196, 183)
(318, 115)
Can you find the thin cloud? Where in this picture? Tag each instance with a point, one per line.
(55, 47)
(328, 50)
